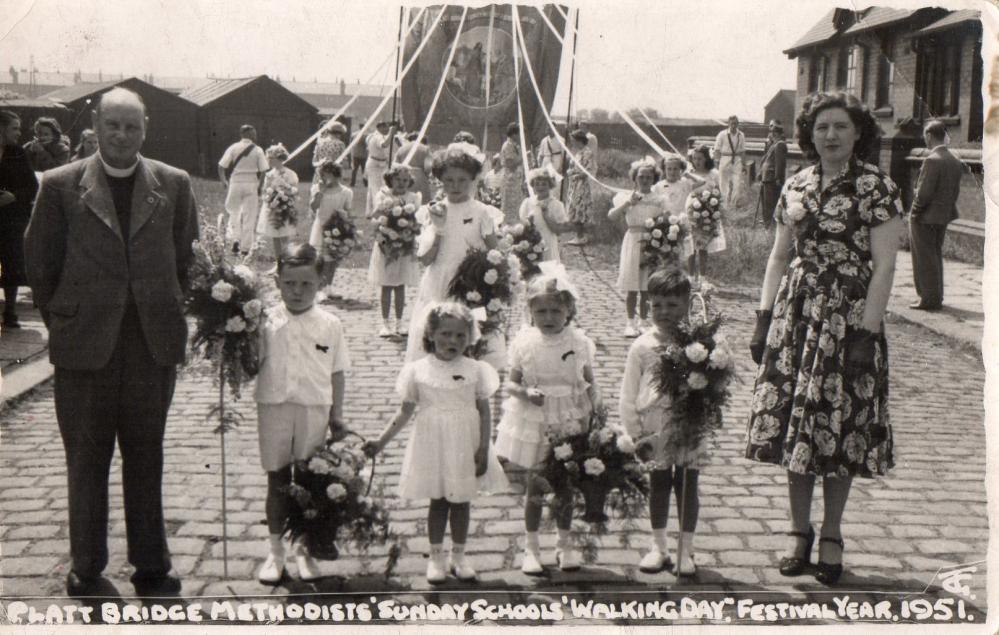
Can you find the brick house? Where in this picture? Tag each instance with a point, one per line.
(907, 65)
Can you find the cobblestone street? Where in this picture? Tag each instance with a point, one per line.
(928, 514)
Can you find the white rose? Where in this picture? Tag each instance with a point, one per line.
(696, 352)
(539, 248)
(605, 435)
(713, 202)
(222, 291)
(245, 274)
(513, 263)
(403, 222)
(397, 211)
(649, 223)
(517, 229)
(594, 467)
(697, 204)
(626, 444)
(253, 308)
(697, 381)
(494, 305)
(657, 233)
(491, 276)
(335, 232)
(494, 257)
(563, 452)
(719, 358)
(674, 220)
(473, 296)
(523, 245)
(409, 208)
(336, 491)
(235, 324)
(319, 465)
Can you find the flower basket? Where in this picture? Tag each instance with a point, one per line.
(396, 227)
(704, 214)
(662, 241)
(525, 242)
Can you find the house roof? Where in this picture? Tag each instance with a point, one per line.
(70, 94)
(875, 17)
(216, 89)
(951, 20)
(784, 93)
(328, 105)
(25, 102)
(821, 31)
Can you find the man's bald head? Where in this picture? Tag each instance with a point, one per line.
(123, 97)
(120, 122)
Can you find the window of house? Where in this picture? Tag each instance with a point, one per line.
(842, 67)
(851, 69)
(938, 81)
(886, 74)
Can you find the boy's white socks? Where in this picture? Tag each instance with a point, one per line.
(531, 542)
(659, 540)
(277, 545)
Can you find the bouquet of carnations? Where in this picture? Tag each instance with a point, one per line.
(330, 502)
(525, 242)
(662, 241)
(396, 227)
(224, 299)
(487, 279)
(695, 371)
(340, 236)
(280, 200)
(600, 464)
(704, 213)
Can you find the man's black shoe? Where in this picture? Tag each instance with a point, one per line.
(79, 587)
(156, 585)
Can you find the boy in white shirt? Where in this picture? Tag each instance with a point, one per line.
(299, 392)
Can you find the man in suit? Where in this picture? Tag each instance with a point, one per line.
(772, 171)
(934, 206)
(107, 250)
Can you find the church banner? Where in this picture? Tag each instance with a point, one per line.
(480, 90)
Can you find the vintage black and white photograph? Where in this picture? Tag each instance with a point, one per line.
(580, 314)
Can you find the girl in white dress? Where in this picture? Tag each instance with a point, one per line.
(328, 198)
(451, 227)
(276, 179)
(548, 213)
(448, 459)
(703, 166)
(635, 208)
(551, 389)
(392, 276)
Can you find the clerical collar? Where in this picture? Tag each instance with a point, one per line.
(118, 173)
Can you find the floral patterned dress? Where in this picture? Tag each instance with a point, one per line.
(580, 197)
(808, 415)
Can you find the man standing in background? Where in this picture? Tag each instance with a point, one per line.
(773, 169)
(729, 153)
(241, 171)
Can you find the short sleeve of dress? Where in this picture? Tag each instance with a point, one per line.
(488, 382)
(490, 219)
(518, 348)
(556, 210)
(879, 199)
(405, 384)
(588, 348)
(525, 210)
(620, 198)
(780, 209)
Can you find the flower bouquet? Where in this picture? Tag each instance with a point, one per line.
(396, 227)
(662, 240)
(489, 195)
(280, 201)
(600, 464)
(695, 371)
(525, 242)
(704, 212)
(330, 502)
(340, 236)
(487, 279)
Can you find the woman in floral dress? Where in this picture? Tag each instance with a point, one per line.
(580, 199)
(513, 172)
(820, 406)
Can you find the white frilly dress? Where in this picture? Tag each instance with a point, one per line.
(440, 456)
(403, 270)
(554, 365)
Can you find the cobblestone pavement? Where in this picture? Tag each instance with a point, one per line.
(930, 513)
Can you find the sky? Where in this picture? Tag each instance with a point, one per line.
(709, 58)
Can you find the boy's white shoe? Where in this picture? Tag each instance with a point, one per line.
(567, 558)
(645, 325)
(308, 568)
(386, 330)
(272, 570)
(655, 561)
(436, 573)
(629, 329)
(532, 563)
(400, 328)
(461, 569)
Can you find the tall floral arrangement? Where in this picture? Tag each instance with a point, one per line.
(489, 279)
(340, 236)
(704, 213)
(525, 242)
(662, 240)
(280, 200)
(396, 227)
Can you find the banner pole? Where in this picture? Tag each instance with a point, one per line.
(489, 59)
(395, 91)
(568, 110)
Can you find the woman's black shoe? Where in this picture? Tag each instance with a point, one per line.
(829, 573)
(796, 566)
(10, 321)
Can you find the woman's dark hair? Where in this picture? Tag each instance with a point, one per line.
(464, 136)
(455, 158)
(332, 167)
(51, 124)
(705, 151)
(639, 166)
(7, 117)
(512, 130)
(860, 115)
(580, 136)
(395, 172)
(436, 315)
(299, 254)
(669, 280)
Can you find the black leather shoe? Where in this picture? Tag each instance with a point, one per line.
(925, 306)
(796, 566)
(79, 587)
(10, 321)
(829, 573)
(155, 585)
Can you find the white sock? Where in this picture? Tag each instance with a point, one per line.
(531, 542)
(277, 546)
(563, 537)
(436, 551)
(659, 539)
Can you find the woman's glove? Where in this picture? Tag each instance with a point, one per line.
(481, 461)
(759, 341)
(860, 347)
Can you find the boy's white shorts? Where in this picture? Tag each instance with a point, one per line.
(289, 432)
